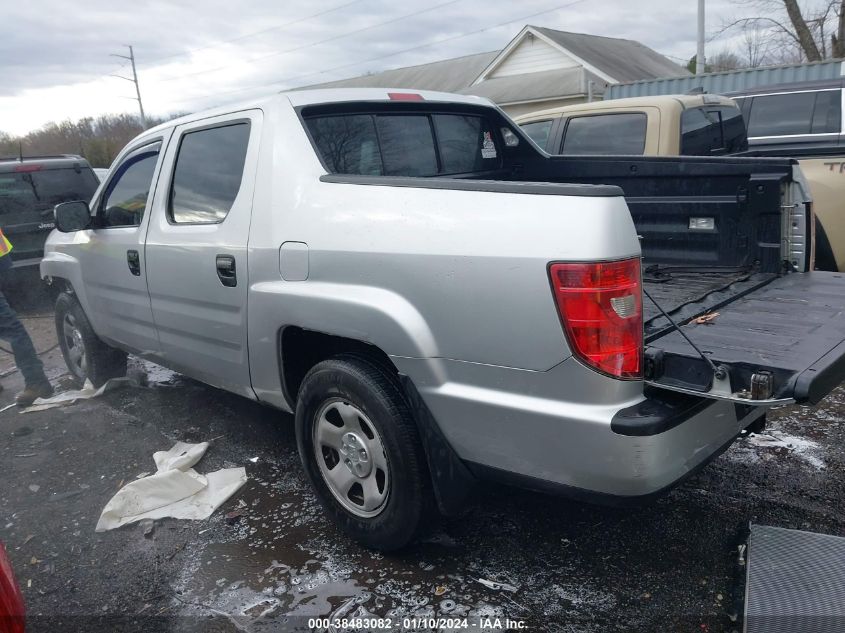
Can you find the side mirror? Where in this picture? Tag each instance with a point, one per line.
(72, 216)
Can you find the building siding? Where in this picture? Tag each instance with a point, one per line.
(730, 81)
(530, 56)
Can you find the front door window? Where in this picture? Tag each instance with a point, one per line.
(125, 199)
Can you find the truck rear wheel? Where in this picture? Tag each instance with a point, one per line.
(360, 449)
(86, 356)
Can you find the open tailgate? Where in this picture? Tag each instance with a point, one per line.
(781, 342)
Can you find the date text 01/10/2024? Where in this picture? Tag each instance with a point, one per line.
(419, 624)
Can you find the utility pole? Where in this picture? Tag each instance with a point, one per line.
(134, 80)
(699, 56)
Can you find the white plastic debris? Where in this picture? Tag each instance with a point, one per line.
(175, 491)
(497, 586)
(75, 395)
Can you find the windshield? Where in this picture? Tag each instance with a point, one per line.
(43, 189)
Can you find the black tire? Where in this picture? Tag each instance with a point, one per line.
(100, 362)
(365, 385)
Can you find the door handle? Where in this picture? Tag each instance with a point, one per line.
(134, 261)
(226, 270)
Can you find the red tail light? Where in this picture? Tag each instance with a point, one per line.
(601, 309)
(11, 601)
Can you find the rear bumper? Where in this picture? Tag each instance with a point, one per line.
(554, 428)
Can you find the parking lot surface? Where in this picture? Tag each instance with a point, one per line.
(269, 559)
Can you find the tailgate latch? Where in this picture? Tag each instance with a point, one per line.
(762, 386)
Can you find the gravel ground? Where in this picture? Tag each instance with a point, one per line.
(547, 563)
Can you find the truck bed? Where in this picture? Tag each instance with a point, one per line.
(685, 293)
(687, 270)
(792, 327)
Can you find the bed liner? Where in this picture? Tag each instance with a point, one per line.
(792, 327)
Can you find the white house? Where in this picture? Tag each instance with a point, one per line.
(540, 68)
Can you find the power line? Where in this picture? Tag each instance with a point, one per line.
(134, 80)
(312, 44)
(372, 59)
(252, 34)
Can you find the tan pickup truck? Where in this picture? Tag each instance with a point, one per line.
(692, 125)
(711, 125)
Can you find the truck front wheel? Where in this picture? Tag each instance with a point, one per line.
(360, 449)
(86, 356)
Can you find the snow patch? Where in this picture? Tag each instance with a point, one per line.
(799, 446)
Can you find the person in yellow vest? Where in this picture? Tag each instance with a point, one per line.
(36, 384)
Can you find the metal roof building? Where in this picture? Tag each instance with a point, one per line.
(730, 81)
(540, 68)
(449, 75)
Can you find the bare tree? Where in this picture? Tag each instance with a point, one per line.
(724, 60)
(814, 29)
(97, 140)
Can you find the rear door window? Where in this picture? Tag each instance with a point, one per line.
(780, 115)
(412, 145)
(208, 173)
(827, 113)
(538, 131)
(622, 133)
(712, 130)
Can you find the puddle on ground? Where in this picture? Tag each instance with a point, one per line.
(283, 559)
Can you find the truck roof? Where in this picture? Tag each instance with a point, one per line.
(796, 86)
(54, 161)
(660, 101)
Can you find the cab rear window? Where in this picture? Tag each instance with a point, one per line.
(411, 144)
(622, 133)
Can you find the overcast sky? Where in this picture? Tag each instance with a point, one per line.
(191, 54)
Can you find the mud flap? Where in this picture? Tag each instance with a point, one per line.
(781, 343)
(453, 482)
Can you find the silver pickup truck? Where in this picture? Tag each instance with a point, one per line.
(440, 302)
